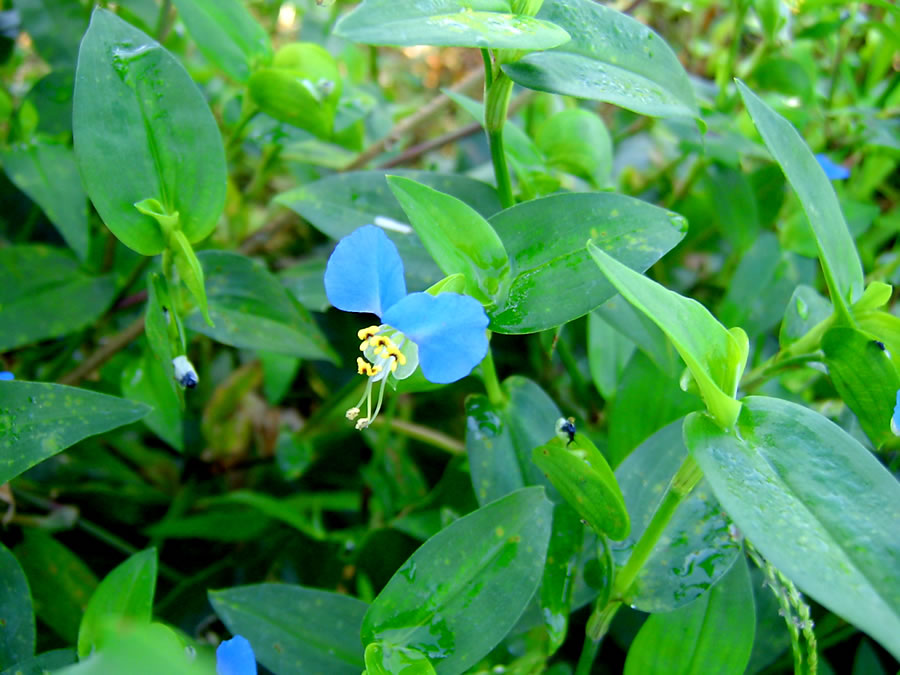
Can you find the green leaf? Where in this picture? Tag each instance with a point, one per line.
(608, 354)
(47, 173)
(582, 476)
(805, 309)
(641, 330)
(576, 141)
(715, 356)
(499, 439)
(145, 650)
(837, 253)
(125, 597)
(459, 239)
(252, 310)
(190, 271)
(695, 549)
(143, 130)
(387, 660)
(38, 420)
(611, 57)
(44, 295)
(60, 582)
(459, 594)
(337, 205)
(17, 633)
(558, 583)
(302, 88)
(867, 380)
(227, 35)
(713, 634)
(553, 277)
(42, 664)
(161, 336)
(886, 327)
(295, 629)
(486, 24)
(305, 281)
(146, 380)
(814, 502)
(279, 372)
(55, 26)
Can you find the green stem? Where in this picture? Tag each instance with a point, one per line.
(495, 109)
(588, 654)
(797, 352)
(727, 72)
(423, 434)
(491, 381)
(488, 69)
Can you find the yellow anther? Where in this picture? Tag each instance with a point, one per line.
(399, 357)
(352, 414)
(366, 333)
(362, 423)
(363, 367)
(380, 342)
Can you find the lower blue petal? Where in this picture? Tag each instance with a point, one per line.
(235, 657)
(6, 375)
(449, 330)
(365, 272)
(832, 171)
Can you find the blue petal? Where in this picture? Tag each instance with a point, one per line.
(365, 272)
(6, 375)
(235, 657)
(895, 418)
(832, 171)
(449, 330)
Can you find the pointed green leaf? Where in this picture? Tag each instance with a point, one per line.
(611, 57)
(715, 356)
(837, 252)
(17, 631)
(38, 420)
(558, 582)
(459, 239)
(388, 659)
(713, 634)
(124, 597)
(190, 271)
(147, 380)
(143, 129)
(814, 502)
(43, 663)
(486, 24)
(459, 594)
(295, 629)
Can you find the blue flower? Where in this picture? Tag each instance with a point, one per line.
(6, 375)
(832, 171)
(444, 333)
(895, 418)
(235, 657)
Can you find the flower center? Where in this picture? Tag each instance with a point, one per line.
(383, 348)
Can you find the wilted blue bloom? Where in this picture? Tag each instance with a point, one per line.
(6, 375)
(235, 657)
(895, 418)
(444, 333)
(832, 171)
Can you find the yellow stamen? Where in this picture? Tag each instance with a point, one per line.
(366, 333)
(363, 367)
(352, 414)
(399, 357)
(362, 423)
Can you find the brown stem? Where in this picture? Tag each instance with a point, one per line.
(104, 353)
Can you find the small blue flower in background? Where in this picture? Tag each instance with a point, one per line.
(832, 171)
(895, 418)
(444, 333)
(6, 375)
(235, 657)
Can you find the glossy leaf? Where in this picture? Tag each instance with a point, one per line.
(190, 271)
(124, 597)
(837, 254)
(161, 334)
(252, 310)
(339, 204)
(580, 473)
(55, 26)
(458, 238)
(486, 24)
(713, 634)
(696, 548)
(867, 380)
(611, 57)
(48, 662)
(47, 173)
(499, 439)
(804, 310)
(17, 630)
(558, 583)
(143, 131)
(39, 419)
(44, 295)
(645, 334)
(576, 141)
(715, 356)
(608, 352)
(545, 239)
(814, 502)
(388, 660)
(60, 582)
(227, 34)
(459, 594)
(295, 629)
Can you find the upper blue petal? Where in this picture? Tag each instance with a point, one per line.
(895, 418)
(365, 272)
(832, 171)
(235, 657)
(449, 330)
(6, 375)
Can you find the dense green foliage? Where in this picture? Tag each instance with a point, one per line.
(618, 283)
